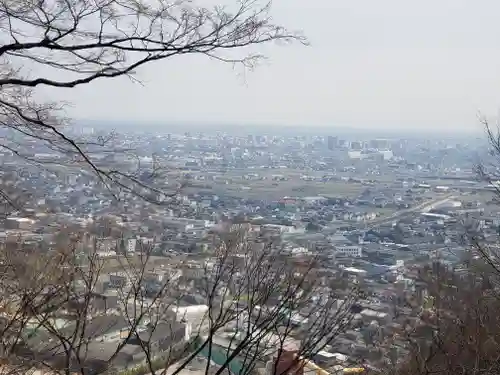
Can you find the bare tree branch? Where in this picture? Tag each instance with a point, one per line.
(64, 44)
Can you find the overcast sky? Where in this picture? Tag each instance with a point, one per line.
(427, 64)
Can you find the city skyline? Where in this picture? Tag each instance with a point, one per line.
(243, 129)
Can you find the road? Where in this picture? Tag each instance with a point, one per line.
(424, 207)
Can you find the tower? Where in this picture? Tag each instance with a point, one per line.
(332, 142)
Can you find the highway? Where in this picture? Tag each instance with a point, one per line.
(424, 207)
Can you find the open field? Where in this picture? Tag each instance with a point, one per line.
(263, 186)
(269, 190)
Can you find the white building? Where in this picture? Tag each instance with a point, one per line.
(195, 317)
(355, 155)
(106, 253)
(191, 313)
(352, 251)
(387, 154)
(131, 245)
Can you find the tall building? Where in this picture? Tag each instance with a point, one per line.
(332, 142)
(356, 145)
(379, 144)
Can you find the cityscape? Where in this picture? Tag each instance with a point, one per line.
(373, 212)
(246, 187)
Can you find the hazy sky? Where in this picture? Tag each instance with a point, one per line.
(427, 64)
